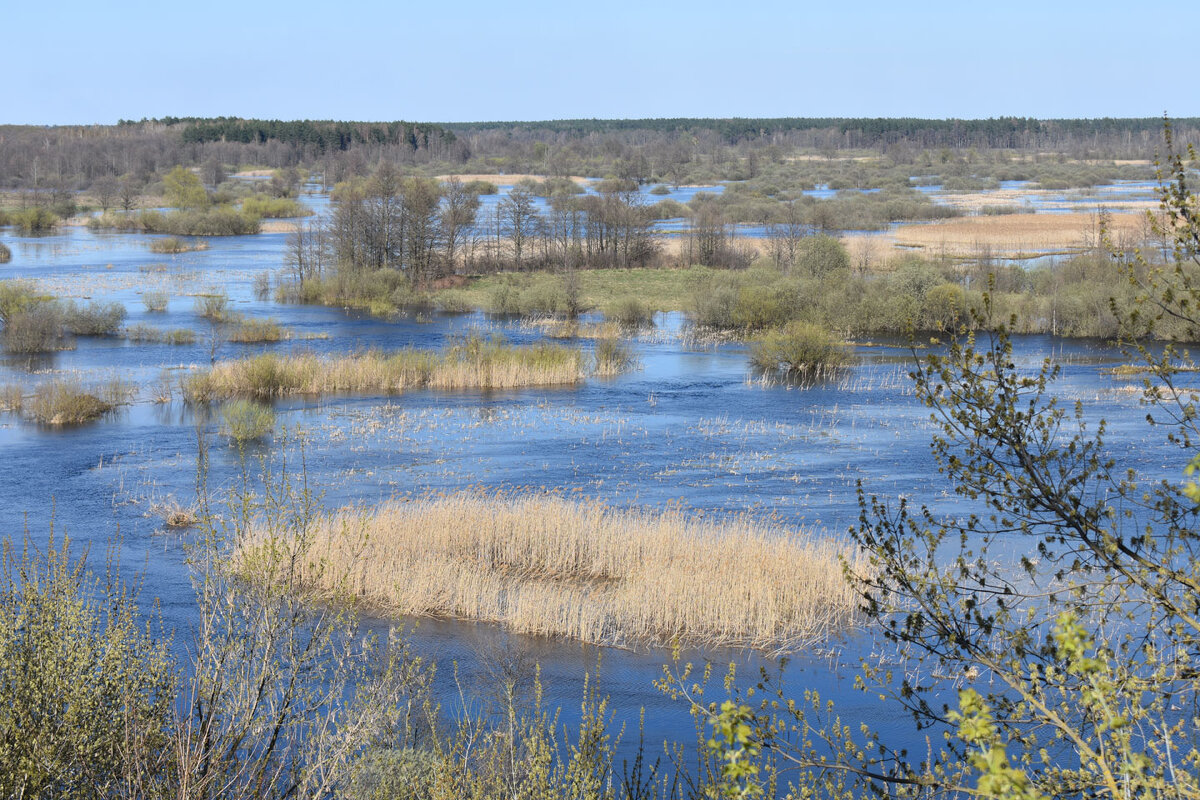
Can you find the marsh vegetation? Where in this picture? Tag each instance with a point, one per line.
(554, 567)
(473, 364)
(435, 240)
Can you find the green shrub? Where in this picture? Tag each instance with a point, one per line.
(33, 220)
(630, 312)
(212, 306)
(17, 296)
(661, 189)
(394, 774)
(453, 301)
(217, 221)
(250, 331)
(175, 245)
(481, 187)
(5, 253)
(762, 306)
(820, 255)
(179, 336)
(246, 420)
(87, 692)
(798, 349)
(266, 207)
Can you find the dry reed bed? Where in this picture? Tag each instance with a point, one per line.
(474, 365)
(547, 566)
(1020, 233)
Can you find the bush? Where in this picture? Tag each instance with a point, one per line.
(38, 329)
(798, 349)
(250, 331)
(630, 312)
(612, 357)
(762, 306)
(174, 245)
(246, 420)
(33, 220)
(5, 253)
(86, 691)
(264, 207)
(145, 333)
(481, 187)
(66, 402)
(94, 319)
(17, 296)
(217, 221)
(262, 285)
(155, 302)
(453, 301)
(212, 306)
(820, 255)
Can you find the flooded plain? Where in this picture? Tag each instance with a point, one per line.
(692, 425)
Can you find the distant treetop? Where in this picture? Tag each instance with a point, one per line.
(324, 134)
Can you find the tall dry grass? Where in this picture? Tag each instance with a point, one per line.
(475, 364)
(544, 565)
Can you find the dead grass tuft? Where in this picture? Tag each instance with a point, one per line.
(475, 364)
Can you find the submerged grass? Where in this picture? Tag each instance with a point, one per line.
(547, 566)
(247, 330)
(146, 334)
(474, 364)
(175, 245)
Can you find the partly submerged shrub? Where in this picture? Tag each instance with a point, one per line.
(93, 319)
(246, 420)
(35, 329)
(799, 349)
(33, 220)
(212, 306)
(144, 333)
(66, 402)
(173, 244)
(155, 302)
(260, 205)
(613, 357)
(629, 311)
(5, 253)
(251, 331)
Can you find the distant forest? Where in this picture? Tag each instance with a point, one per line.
(71, 158)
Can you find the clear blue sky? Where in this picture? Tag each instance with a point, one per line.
(433, 60)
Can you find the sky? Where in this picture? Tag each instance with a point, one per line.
(461, 60)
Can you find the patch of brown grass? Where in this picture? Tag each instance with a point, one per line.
(547, 566)
(501, 179)
(475, 364)
(1014, 233)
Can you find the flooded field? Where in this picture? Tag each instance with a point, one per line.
(692, 426)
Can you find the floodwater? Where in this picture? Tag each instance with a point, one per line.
(691, 425)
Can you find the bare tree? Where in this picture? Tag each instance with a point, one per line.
(459, 210)
(105, 189)
(519, 216)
